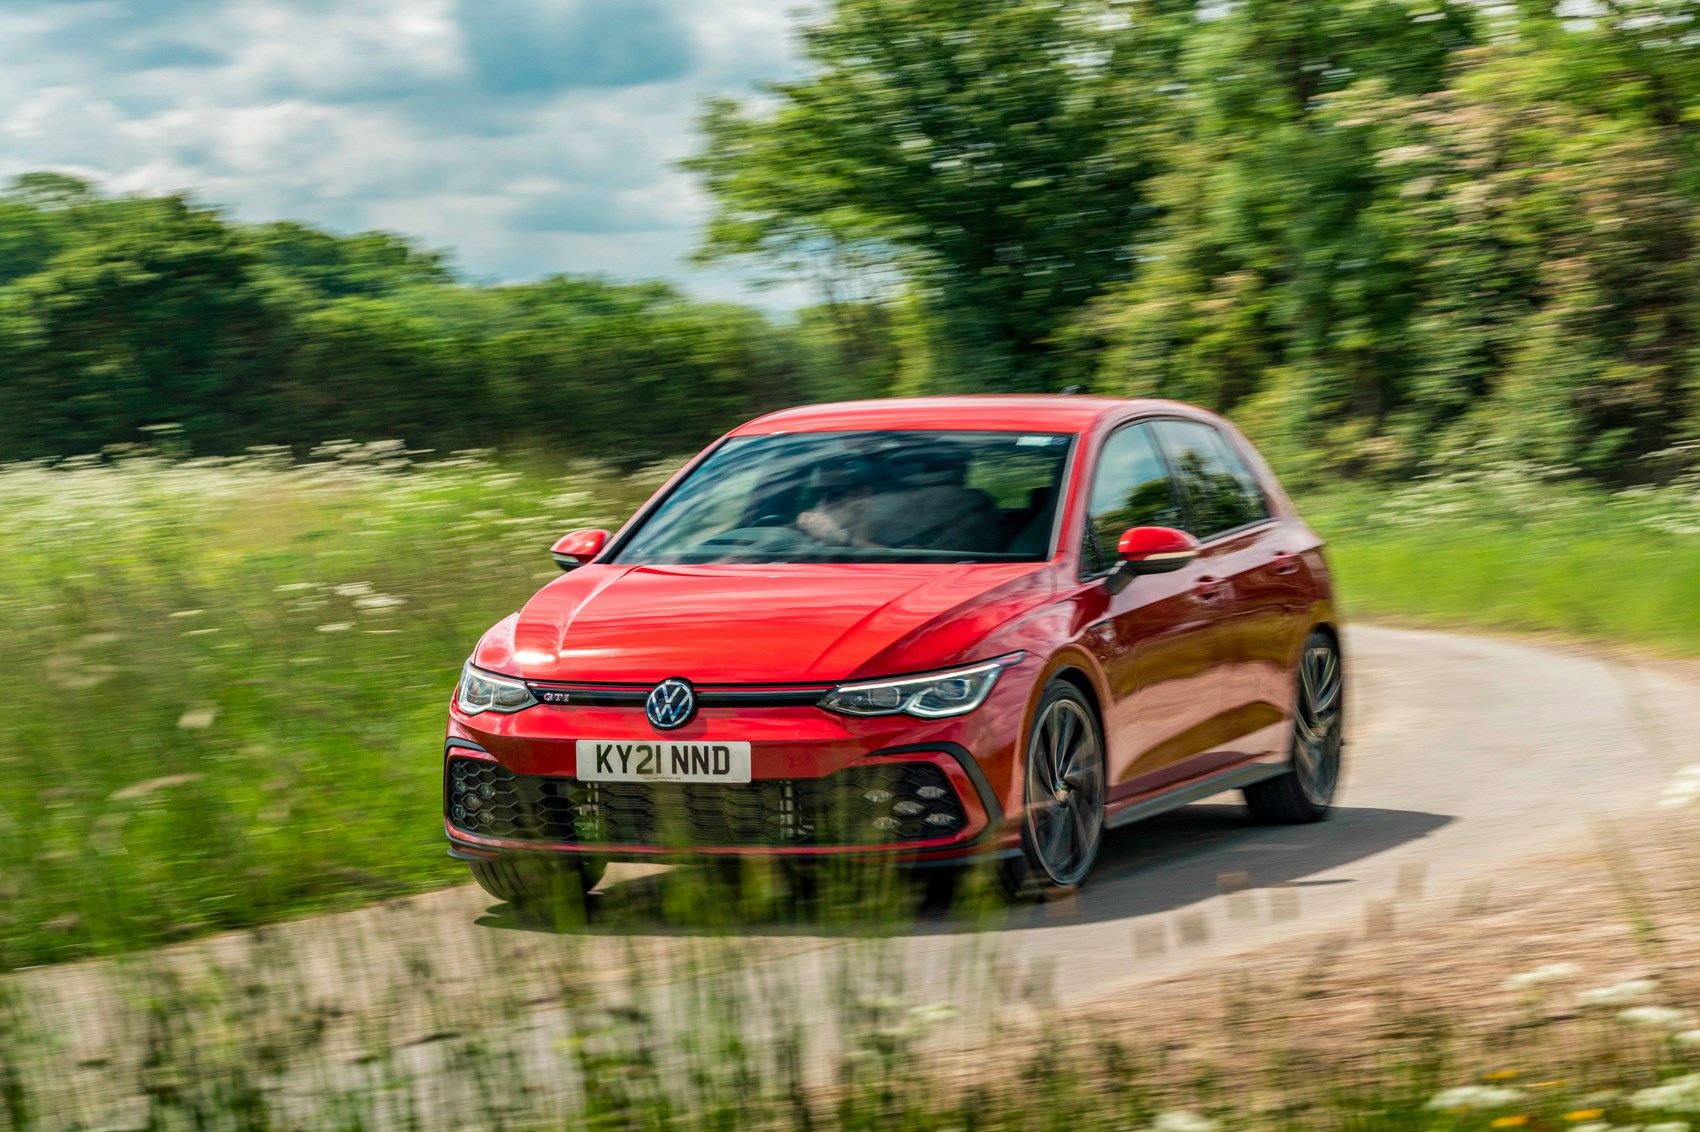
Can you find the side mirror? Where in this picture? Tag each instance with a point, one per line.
(575, 549)
(1151, 550)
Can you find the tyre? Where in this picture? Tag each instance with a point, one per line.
(1062, 820)
(1306, 792)
(531, 881)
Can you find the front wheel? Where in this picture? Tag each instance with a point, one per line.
(1063, 815)
(1306, 793)
(528, 882)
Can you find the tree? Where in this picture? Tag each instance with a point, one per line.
(1270, 288)
(153, 318)
(987, 151)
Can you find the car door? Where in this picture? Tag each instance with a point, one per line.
(1229, 513)
(1160, 638)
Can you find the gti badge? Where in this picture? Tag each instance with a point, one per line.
(672, 704)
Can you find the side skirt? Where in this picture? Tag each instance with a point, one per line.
(1194, 791)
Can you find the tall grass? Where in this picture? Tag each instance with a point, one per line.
(225, 679)
(386, 1020)
(1517, 547)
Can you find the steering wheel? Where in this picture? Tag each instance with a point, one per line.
(754, 540)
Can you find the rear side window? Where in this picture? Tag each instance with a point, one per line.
(1220, 491)
(1130, 488)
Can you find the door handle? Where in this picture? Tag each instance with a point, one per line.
(1210, 589)
(1287, 563)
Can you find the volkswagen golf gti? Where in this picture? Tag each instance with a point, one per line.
(926, 630)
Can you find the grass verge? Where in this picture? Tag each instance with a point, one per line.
(1513, 548)
(226, 679)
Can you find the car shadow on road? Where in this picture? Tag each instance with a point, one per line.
(1158, 865)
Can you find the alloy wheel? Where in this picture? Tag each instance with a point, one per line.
(1065, 791)
(1317, 722)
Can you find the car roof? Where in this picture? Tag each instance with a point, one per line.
(1006, 412)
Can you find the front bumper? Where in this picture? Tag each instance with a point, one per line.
(919, 804)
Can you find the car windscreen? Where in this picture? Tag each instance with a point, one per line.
(877, 496)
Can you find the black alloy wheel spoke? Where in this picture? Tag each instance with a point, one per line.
(1082, 773)
(1047, 750)
(1056, 832)
(1328, 684)
(1062, 754)
(1081, 811)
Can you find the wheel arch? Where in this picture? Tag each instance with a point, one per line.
(1082, 681)
(1073, 669)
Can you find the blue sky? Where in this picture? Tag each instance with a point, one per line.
(528, 136)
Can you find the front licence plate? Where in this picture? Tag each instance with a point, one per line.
(604, 761)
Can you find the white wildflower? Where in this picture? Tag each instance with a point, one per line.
(188, 613)
(1684, 787)
(354, 589)
(1679, 1094)
(1475, 1096)
(337, 627)
(378, 601)
(293, 587)
(1593, 1126)
(1687, 1038)
(1661, 1017)
(197, 719)
(1667, 1126)
(1547, 973)
(1682, 792)
(1182, 1122)
(1619, 994)
(142, 789)
(933, 1013)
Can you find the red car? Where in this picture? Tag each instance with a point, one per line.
(926, 630)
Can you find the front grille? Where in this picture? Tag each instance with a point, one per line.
(885, 804)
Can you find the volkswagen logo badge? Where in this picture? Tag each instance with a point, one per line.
(673, 703)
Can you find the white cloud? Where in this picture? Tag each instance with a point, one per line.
(399, 114)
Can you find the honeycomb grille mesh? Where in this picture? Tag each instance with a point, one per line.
(873, 805)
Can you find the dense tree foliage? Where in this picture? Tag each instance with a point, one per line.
(1386, 234)
(989, 150)
(122, 315)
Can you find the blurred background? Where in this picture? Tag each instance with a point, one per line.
(319, 322)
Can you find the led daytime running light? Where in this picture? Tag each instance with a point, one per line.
(939, 695)
(480, 691)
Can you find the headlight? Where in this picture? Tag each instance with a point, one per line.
(482, 691)
(937, 696)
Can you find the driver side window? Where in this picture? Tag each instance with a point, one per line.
(1130, 488)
